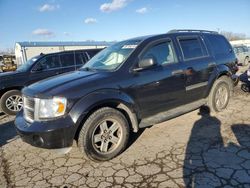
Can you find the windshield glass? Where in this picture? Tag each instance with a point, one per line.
(112, 57)
(24, 67)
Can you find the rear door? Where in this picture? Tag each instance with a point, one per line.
(68, 62)
(47, 66)
(198, 65)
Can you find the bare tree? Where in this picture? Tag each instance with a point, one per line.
(233, 36)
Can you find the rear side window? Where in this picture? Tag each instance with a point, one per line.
(92, 53)
(192, 47)
(49, 62)
(80, 58)
(219, 44)
(67, 59)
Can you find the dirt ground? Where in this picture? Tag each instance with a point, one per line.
(193, 150)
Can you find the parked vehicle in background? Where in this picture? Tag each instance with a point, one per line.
(132, 84)
(243, 54)
(26, 50)
(7, 63)
(1, 63)
(38, 68)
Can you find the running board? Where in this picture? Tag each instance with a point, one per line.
(164, 116)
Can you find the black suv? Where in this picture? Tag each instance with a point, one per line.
(38, 68)
(130, 85)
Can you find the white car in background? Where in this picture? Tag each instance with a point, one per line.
(242, 53)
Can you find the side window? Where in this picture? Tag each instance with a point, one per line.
(192, 48)
(49, 62)
(163, 53)
(80, 58)
(67, 59)
(92, 53)
(219, 44)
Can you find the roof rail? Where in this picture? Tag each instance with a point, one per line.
(191, 30)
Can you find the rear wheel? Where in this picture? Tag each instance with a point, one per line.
(11, 102)
(220, 94)
(104, 135)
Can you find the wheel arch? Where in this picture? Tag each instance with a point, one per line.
(221, 70)
(114, 99)
(3, 91)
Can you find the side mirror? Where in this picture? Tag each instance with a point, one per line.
(145, 63)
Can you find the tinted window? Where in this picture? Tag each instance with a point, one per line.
(67, 59)
(219, 44)
(162, 53)
(92, 53)
(80, 58)
(192, 48)
(49, 62)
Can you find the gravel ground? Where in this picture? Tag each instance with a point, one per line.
(193, 150)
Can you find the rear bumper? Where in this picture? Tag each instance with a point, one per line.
(53, 134)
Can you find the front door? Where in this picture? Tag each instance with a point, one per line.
(47, 67)
(162, 86)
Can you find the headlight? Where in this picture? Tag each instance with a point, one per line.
(50, 108)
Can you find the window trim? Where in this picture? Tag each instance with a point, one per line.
(201, 41)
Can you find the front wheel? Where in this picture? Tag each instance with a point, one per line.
(104, 135)
(11, 102)
(220, 94)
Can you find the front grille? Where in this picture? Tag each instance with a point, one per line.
(29, 108)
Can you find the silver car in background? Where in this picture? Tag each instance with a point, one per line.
(242, 53)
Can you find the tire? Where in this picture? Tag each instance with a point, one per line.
(223, 85)
(11, 102)
(102, 126)
(246, 61)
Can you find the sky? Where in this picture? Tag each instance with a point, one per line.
(114, 20)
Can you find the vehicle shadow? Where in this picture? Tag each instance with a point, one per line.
(134, 136)
(7, 132)
(209, 162)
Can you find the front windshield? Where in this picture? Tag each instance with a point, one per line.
(112, 57)
(24, 67)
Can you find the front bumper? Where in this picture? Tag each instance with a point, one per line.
(54, 134)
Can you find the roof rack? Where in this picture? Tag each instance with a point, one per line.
(191, 30)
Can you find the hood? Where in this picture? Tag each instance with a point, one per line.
(63, 85)
(8, 75)
(8, 79)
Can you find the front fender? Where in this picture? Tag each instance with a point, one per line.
(97, 98)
